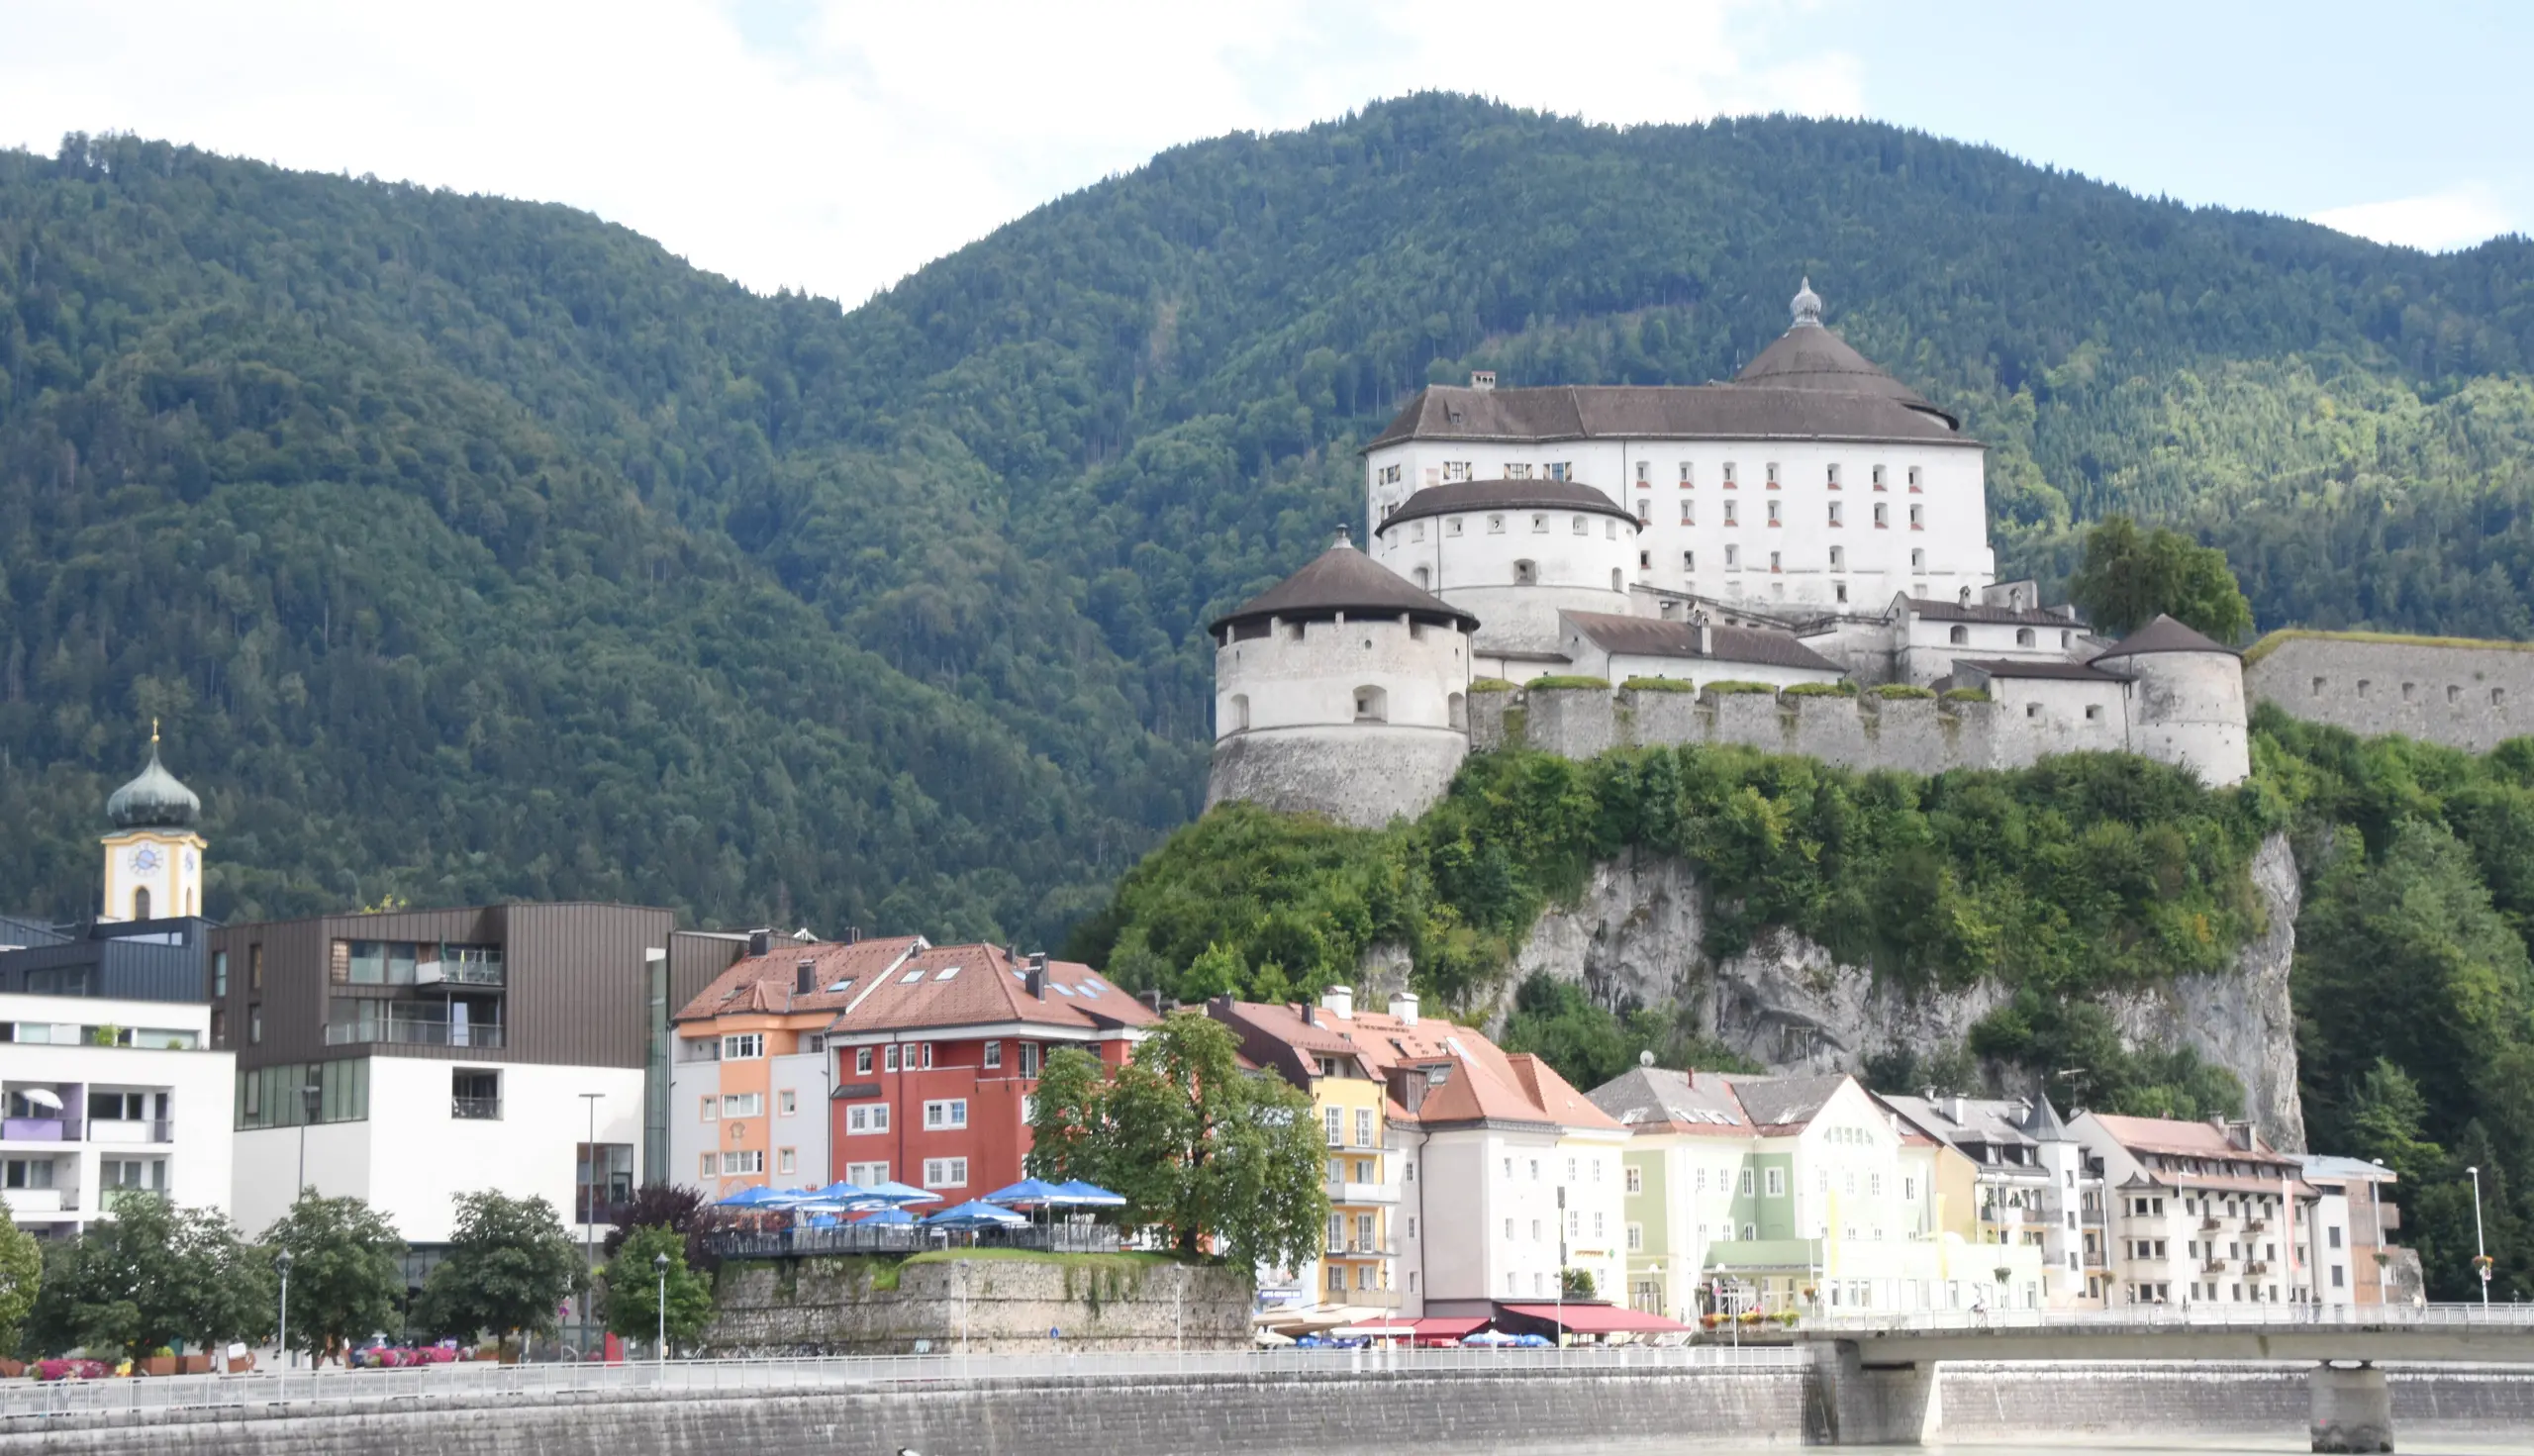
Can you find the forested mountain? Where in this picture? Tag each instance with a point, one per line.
(474, 548)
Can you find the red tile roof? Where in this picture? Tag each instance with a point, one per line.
(1484, 1084)
(981, 985)
(761, 985)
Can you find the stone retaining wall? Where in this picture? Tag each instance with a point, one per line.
(830, 1307)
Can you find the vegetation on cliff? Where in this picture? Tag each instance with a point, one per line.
(2412, 982)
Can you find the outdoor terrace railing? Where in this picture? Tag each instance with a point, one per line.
(417, 1388)
(909, 1238)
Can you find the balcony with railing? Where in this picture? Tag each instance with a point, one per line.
(475, 1109)
(1346, 1193)
(131, 1130)
(41, 1129)
(24, 1200)
(467, 971)
(413, 1030)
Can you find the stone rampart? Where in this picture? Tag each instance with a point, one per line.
(1916, 734)
(833, 1307)
(2463, 694)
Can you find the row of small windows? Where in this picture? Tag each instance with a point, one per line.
(1457, 524)
(1833, 475)
(1734, 515)
(1777, 561)
(2410, 692)
(2025, 636)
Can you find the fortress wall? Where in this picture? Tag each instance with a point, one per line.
(2451, 688)
(1913, 735)
(1491, 717)
(1360, 774)
(1660, 718)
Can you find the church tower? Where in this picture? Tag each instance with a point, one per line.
(153, 857)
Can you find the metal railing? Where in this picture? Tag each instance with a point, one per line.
(477, 1109)
(2268, 1314)
(909, 1239)
(414, 1032)
(20, 1399)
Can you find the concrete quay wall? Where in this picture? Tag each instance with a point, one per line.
(1371, 1414)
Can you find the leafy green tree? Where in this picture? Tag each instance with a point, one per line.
(1589, 1044)
(21, 1277)
(2128, 576)
(674, 1206)
(2386, 1122)
(634, 1287)
(345, 1274)
(154, 1275)
(510, 1266)
(1219, 1160)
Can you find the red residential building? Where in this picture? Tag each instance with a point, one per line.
(935, 1060)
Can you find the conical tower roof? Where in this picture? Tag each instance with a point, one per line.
(153, 800)
(2163, 634)
(2042, 1123)
(1343, 579)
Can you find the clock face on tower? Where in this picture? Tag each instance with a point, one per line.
(145, 859)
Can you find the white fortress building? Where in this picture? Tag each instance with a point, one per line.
(1671, 560)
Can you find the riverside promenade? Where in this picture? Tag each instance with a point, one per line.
(1898, 1381)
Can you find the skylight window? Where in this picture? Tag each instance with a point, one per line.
(910, 978)
(839, 987)
(1060, 988)
(947, 973)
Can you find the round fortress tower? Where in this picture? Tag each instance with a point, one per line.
(2187, 700)
(1516, 553)
(1341, 691)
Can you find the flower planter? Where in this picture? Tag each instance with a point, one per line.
(12, 1369)
(193, 1365)
(158, 1364)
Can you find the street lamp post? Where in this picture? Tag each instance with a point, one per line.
(660, 1263)
(312, 1100)
(589, 1214)
(281, 1261)
(2481, 1251)
(2376, 1217)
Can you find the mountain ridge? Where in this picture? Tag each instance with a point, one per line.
(478, 549)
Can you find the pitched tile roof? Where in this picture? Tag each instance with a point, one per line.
(1937, 609)
(981, 985)
(1483, 1083)
(1661, 1098)
(1782, 408)
(762, 984)
(1652, 636)
(2188, 1140)
(2015, 668)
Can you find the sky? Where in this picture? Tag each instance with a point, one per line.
(835, 146)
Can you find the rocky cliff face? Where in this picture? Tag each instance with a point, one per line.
(1637, 936)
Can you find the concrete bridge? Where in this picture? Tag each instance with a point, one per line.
(1881, 1370)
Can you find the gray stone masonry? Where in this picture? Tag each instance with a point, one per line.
(2470, 697)
(814, 1306)
(1917, 734)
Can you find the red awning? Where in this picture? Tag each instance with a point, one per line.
(1597, 1318)
(1439, 1329)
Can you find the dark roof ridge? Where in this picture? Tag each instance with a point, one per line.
(1343, 579)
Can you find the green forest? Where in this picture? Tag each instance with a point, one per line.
(2085, 874)
(473, 549)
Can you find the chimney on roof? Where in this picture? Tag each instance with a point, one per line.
(1963, 596)
(1481, 379)
(1151, 1001)
(761, 942)
(1340, 1000)
(1958, 1108)
(854, 935)
(1034, 981)
(1310, 1013)
(805, 977)
(1403, 1006)
(1039, 960)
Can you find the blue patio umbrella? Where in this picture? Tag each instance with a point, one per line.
(1027, 1192)
(1081, 1195)
(898, 1193)
(889, 1216)
(840, 1192)
(759, 1198)
(975, 1216)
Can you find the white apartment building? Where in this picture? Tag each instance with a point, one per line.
(103, 1094)
(2204, 1213)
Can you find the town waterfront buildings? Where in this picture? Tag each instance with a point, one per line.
(103, 1095)
(876, 1062)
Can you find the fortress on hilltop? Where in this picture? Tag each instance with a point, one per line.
(1796, 559)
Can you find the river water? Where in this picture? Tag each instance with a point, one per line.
(2405, 1442)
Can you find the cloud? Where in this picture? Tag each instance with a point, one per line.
(2437, 222)
(837, 144)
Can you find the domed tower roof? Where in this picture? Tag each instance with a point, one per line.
(153, 800)
(1343, 579)
(1809, 356)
